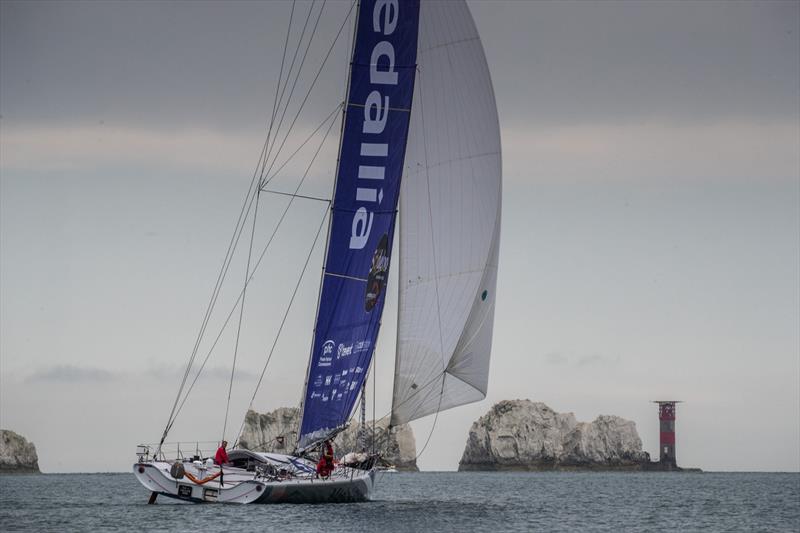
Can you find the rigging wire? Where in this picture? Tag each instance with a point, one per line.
(305, 197)
(435, 265)
(311, 135)
(214, 295)
(275, 101)
(308, 93)
(280, 329)
(255, 212)
(333, 196)
(231, 247)
(416, 391)
(241, 314)
(443, 372)
(435, 419)
(433, 233)
(299, 70)
(255, 268)
(247, 205)
(283, 321)
(389, 427)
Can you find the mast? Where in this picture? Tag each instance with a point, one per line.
(330, 221)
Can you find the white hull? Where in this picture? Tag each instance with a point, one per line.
(242, 486)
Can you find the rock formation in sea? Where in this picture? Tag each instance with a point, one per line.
(17, 455)
(276, 432)
(523, 435)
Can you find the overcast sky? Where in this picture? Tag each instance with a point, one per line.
(651, 220)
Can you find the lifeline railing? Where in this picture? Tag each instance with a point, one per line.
(171, 451)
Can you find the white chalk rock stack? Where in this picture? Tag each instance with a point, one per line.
(276, 432)
(523, 435)
(17, 455)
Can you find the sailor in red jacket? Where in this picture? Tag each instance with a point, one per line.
(325, 465)
(221, 458)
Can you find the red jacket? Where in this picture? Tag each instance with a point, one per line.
(221, 457)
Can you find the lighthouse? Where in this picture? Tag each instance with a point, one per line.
(666, 418)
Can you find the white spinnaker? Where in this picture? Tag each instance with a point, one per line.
(449, 221)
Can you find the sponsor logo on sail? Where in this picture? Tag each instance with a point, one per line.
(326, 357)
(361, 346)
(376, 279)
(344, 351)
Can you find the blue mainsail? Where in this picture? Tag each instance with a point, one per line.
(364, 207)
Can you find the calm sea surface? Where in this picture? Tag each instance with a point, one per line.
(427, 502)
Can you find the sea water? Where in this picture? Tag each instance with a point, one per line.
(445, 501)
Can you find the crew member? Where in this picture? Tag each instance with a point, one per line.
(221, 458)
(325, 465)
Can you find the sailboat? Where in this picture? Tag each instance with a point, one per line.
(419, 137)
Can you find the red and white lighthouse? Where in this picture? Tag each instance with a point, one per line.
(666, 417)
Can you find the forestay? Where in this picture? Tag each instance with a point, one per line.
(449, 221)
(364, 208)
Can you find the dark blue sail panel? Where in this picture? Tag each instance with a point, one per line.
(364, 207)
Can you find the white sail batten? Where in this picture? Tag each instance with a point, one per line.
(449, 221)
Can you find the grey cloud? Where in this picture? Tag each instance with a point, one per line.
(71, 374)
(86, 374)
(217, 373)
(222, 373)
(214, 64)
(168, 64)
(624, 61)
(556, 358)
